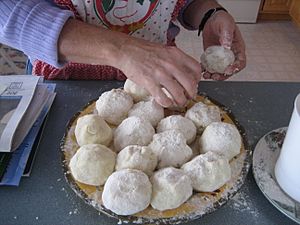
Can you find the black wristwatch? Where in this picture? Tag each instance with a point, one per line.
(207, 15)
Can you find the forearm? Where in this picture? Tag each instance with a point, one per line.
(194, 13)
(85, 43)
(32, 26)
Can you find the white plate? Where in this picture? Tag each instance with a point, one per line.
(265, 156)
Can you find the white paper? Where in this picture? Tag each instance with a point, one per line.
(14, 102)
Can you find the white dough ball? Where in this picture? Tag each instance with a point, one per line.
(92, 129)
(137, 92)
(133, 131)
(92, 164)
(127, 192)
(137, 157)
(170, 188)
(171, 148)
(202, 115)
(216, 59)
(180, 123)
(222, 138)
(208, 172)
(113, 106)
(148, 110)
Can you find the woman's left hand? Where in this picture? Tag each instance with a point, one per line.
(221, 29)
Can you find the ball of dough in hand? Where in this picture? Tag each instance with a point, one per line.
(137, 92)
(133, 131)
(113, 106)
(92, 129)
(92, 164)
(171, 187)
(216, 59)
(127, 192)
(180, 123)
(137, 157)
(148, 110)
(202, 115)
(222, 138)
(208, 172)
(171, 148)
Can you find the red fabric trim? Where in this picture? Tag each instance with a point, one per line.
(178, 7)
(77, 71)
(68, 4)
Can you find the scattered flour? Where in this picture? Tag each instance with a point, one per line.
(242, 203)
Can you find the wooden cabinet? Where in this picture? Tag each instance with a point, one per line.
(275, 9)
(295, 11)
(276, 6)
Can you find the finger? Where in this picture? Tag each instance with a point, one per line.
(156, 91)
(175, 89)
(194, 65)
(185, 79)
(235, 67)
(189, 65)
(206, 75)
(238, 64)
(219, 77)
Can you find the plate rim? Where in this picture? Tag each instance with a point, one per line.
(275, 205)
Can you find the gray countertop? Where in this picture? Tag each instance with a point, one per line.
(45, 197)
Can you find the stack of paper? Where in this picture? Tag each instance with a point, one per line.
(24, 103)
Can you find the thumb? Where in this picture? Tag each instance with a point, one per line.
(226, 36)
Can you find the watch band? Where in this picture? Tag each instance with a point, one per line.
(207, 15)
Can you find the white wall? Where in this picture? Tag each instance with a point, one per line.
(243, 11)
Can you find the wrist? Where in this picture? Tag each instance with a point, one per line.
(195, 12)
(208, 15)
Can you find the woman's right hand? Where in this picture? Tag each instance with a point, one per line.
(150, 65)
(154, 66)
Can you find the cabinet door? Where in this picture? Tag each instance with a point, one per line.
(295, 11)
(276, 5)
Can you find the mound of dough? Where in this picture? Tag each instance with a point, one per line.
(92, 129)
(148, 110)
(133, 131)
(180, 123)
(216, 59)
(171, 187)
(208, 172)
(127, 192)
(92, 164)
(137, 157)
(202, 115)
(137, 92)
(222, 138)
(171, 149)
(113, 106)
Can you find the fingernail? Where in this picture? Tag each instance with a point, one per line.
(236, 70)
(164, 103)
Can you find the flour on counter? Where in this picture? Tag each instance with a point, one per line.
(243, 203)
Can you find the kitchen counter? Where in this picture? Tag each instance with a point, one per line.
(45, 197)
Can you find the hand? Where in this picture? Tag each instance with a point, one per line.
(221, 29)
(154, 66)
(150, 65)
